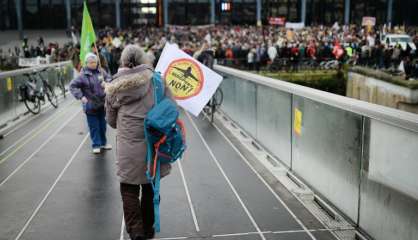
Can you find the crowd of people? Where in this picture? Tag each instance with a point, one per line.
(252, 47)
(53, 51)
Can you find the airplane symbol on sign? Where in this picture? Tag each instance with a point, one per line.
(187, 73)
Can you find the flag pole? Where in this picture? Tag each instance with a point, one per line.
(100, 64)
(88, 36)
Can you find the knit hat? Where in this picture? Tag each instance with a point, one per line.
(90, 56)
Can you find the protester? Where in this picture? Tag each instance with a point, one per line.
(129, 97)
(232, 45)
(88, 88)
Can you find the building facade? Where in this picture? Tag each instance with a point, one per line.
(61, 14)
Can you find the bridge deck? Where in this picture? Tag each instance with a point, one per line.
(53, 187)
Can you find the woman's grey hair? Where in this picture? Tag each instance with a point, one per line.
(132, 56)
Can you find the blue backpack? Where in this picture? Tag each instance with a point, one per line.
(165, 136)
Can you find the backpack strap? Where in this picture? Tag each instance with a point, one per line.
(158, 87)
(154, 179)
(156, 200)
(153, 172)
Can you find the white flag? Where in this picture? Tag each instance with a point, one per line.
(192, 83)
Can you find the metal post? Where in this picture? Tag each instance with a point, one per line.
(347, 12)
(390, 9)
(19, 18)
(212, 11)
(258, 12)
(165, 5)
(303, 11)
(117, 7)
(68, 12)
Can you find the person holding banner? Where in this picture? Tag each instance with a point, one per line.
(129, 97)
(87, 87)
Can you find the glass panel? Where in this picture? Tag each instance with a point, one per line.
(326, 153)
(189, 12)
(385, 213)
(274, 122)
(360, 9)
(325, 11)
(10, 106)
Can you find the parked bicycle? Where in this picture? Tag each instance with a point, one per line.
(32, 95)
(214, 103)
(61, 81)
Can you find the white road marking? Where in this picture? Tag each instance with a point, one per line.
(227, 179)
(39, 148)
(267, 185)
(52, 188)
(40, 127)
(189, 199)
(122, 228)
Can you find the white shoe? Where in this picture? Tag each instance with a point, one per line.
(96, 150)
(107, 147)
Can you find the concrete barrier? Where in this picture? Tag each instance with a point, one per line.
(360, 157)
(382, 92)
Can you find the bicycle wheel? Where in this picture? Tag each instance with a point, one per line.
(52, 97)
(33, 106)
(218, 97)
(62, 86)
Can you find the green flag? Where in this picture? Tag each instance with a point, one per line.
(88, 37)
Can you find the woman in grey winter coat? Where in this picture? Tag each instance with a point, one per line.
(129, 96)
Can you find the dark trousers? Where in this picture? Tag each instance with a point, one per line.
(138, 213)
(97, 127)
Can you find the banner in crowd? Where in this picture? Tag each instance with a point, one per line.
(33, 62)
(295, 26)
(192, 83)
(88, 37)
(279, 21)
(368, 21)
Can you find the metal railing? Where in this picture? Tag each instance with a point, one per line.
(11, 109)
(361, 157)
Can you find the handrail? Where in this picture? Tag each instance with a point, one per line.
(388, 115)
(32, 69)
(11, 108)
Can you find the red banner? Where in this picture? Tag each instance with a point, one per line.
(277, 21)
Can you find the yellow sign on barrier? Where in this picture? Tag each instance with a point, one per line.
(9, 84)
(298, 122)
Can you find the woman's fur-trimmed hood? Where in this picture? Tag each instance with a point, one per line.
(129, 84)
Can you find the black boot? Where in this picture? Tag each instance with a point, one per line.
(147, 207)
(150, 234)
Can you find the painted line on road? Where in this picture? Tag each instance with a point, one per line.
(51, 188)
(30, 118)
(39, 148)
(260, 233)
(50, 118)
(239, 234)
(38, 130)
(122, 228)
(266, 184)
(252, 233)
(189, 199)
(172, 238)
